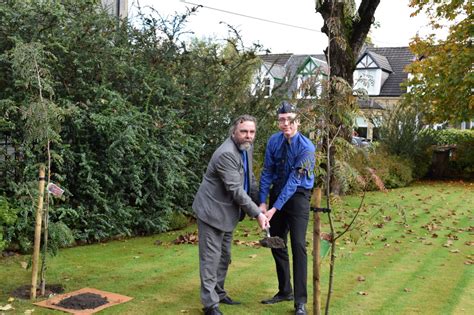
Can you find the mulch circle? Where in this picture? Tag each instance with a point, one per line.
(83, 301)
(23, 292)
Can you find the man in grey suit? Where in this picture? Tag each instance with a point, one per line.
(228, 190)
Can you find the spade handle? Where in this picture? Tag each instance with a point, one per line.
(267, 229)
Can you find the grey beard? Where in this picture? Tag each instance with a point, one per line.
(245, 146)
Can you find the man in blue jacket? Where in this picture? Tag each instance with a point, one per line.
(288, 178)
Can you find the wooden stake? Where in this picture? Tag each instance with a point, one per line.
(36, 248)
(316, 253)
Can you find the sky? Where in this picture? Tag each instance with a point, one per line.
(294, 27)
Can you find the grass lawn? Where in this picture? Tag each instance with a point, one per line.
(414, 255)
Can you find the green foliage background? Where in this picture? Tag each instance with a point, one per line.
(141, 114)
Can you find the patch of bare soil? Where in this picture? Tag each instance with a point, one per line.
(23, 292)
(83, 301)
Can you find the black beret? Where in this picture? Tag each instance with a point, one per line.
(286, 108)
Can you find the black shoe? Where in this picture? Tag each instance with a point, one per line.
(278, 298)
(300, 309)
(212, 310)
(227, 300)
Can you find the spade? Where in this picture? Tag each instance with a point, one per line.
(272, 242)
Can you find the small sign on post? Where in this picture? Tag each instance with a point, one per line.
(55, 190)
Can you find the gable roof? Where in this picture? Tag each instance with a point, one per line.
(380, 61)
(398, 58)
(391, 59)
(296, 61)
(275, 70)
(277, 59)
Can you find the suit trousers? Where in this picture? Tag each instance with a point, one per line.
(214, 261)
(292, 218)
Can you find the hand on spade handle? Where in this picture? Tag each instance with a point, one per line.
(263, 221)
(270, 213)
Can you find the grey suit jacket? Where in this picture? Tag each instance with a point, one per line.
(221, 193)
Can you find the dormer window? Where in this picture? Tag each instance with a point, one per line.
(372, 70)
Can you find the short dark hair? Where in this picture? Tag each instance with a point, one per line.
(241, 119)
(286, 107)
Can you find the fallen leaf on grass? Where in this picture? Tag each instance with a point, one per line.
(452, 236)
(407, 290)
(469, 262)
(24, 264)
(448, 243)
(368, 254)
(253, 256)
(188, 238)
(28, 312)
(247, 243)
(361, 278)
(362, 293)
(430, 227)
(469, 243)
(11, 299)
(455, 251)
(6, 307)
(184, 311)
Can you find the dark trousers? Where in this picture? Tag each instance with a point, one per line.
(292, 218)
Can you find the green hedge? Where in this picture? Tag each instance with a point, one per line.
(140, 114)
(449, 136)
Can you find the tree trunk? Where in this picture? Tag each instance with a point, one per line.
(37, 242)
(316, 253)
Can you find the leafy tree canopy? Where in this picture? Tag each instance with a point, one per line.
(443, 77)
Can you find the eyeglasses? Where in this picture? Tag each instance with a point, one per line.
(290, 120)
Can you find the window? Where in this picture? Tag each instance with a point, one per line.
(365, 79)
(362, 132)
(267, 87)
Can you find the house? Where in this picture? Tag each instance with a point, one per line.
(118, 8)
(379, 71)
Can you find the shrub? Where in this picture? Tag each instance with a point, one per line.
(392, 170)
(403, 135)
(8, 215)
(59, 236)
